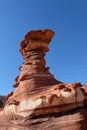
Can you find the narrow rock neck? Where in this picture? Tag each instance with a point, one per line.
(36, 62)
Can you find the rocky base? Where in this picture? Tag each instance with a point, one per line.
(71, 120)
(49, 99)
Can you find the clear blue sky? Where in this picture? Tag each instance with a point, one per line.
(67, 57)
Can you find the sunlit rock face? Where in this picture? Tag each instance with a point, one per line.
(40, 102)
(35, 79)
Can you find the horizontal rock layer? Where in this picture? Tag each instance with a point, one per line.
(71, 120)
(52, 99)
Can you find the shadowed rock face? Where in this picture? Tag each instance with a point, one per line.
(2, 101)
(40, 102)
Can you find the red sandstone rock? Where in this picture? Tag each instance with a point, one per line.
(41, 102)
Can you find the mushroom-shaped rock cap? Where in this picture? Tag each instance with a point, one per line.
(43, 35)
(36, 40)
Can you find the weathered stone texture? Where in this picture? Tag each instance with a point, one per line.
(40, 102)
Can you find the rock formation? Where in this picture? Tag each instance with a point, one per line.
(40, 102)
(2, 101)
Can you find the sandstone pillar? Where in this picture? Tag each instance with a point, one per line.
(40, 102)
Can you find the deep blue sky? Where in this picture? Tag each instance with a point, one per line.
(67, 57)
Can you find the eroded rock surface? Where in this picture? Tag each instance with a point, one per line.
(40, 102)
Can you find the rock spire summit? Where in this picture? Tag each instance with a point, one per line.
(34, 74)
